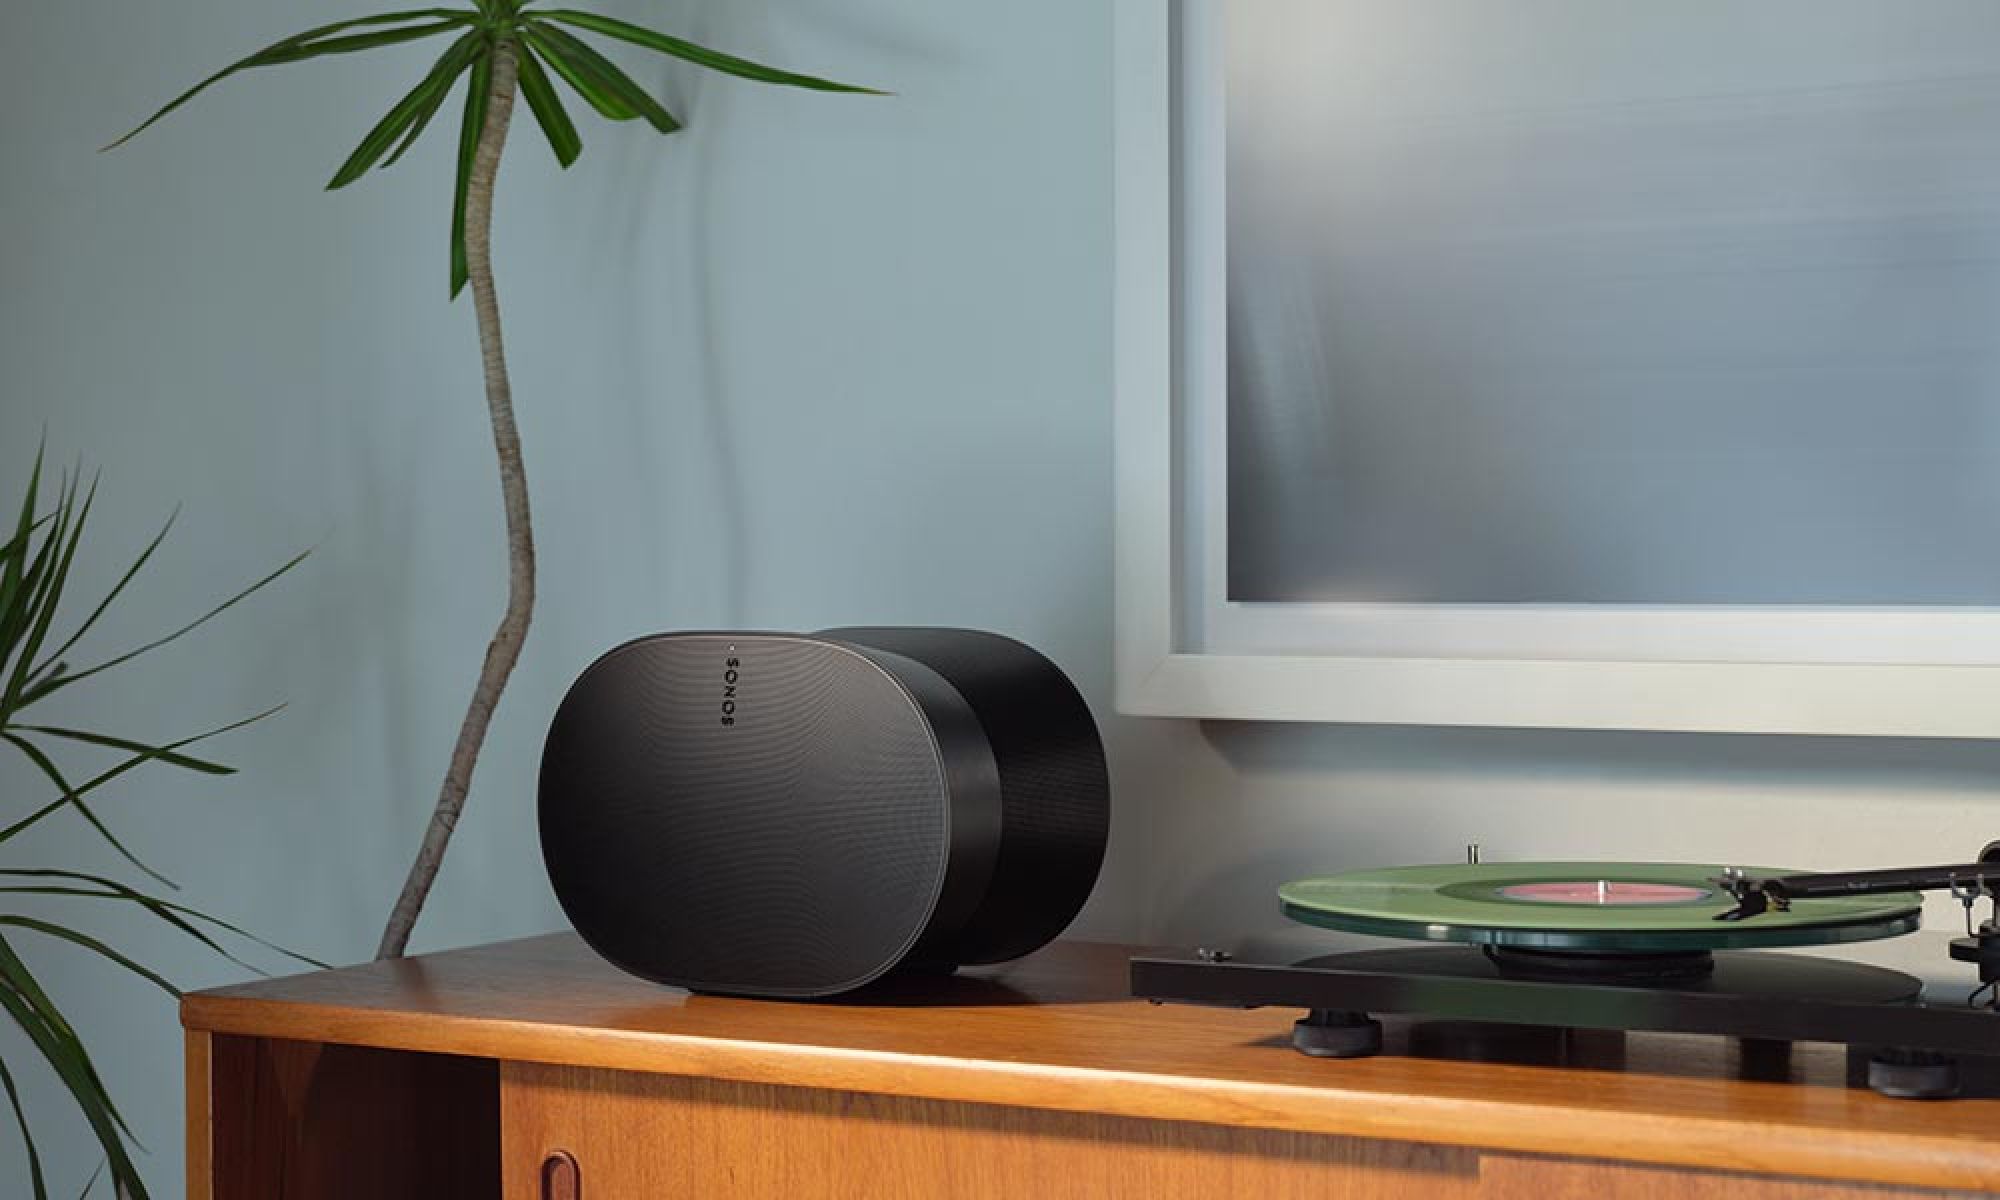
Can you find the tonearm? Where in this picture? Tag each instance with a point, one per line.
(1755, 896)
(1967, 882)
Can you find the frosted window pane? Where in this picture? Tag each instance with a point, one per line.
(1587, 301)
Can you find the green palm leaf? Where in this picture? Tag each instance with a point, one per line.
(608, 106)
(564, 141)
(74, 796)
(567, 51)
(66, 934)
(27, 1135)
(12, 553)
(66, 1055)
(26, 588)
(180, 916)
(63, 541)
(29, 1006)
(432, 103)
(468, 148)
(422, 101)
(312, 44)
(113, 887)
(187, 762)
(681, 48)
(54, 662)
(367, 41)
(14, 973)
(13, 559)
(53, 683)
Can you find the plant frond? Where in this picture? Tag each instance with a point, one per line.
(17, 544)
(418, 104)
(13, 561)
(63, 539)
(96, 1173)
(185, 761)
(76, 636)
(580, 81)
(167, 910)
(432, 103)
(702, 56)
(47, 686)
(66, 934)
(74, 797)
(602, 73)
(25, 589)
(311, 44)
(560, 131)
(35, 1179)
(29, 1006)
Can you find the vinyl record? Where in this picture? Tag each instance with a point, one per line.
(1600, 907)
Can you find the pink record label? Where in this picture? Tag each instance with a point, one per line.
(1608, 892)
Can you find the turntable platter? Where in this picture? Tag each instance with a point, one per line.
(1606, 908)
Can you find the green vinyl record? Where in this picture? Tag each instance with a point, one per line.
(1612, 908)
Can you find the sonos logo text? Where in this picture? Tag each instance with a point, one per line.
(730, 674)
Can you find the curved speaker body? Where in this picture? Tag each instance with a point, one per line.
(797, 815)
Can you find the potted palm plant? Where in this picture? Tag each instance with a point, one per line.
(500, 48)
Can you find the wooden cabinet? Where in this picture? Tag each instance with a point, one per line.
(531, 1071)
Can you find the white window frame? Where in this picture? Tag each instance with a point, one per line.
(1913, 672)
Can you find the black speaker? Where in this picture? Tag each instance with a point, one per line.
(771, 814)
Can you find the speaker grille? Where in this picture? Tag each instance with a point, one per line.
(732, 857)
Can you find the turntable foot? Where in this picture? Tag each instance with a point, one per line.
(1332, 1033)
(1913, 1075)
(1765, 1058)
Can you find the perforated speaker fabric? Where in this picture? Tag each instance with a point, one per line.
(796, 851)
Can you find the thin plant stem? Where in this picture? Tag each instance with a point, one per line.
(505, 649)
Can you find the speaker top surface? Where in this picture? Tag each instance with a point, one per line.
(753, 813)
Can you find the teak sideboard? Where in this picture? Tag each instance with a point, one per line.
(531, 1070)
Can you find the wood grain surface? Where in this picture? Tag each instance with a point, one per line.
(287, 1120)
(199, 1081)
(1511, 1177)
(1057, 1032)
(638, 1137)
(647, 1137)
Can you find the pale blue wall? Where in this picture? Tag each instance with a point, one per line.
(820, 360)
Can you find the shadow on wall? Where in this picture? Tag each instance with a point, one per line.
(683, 192)
(375, 543)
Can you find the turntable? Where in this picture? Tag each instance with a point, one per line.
(1627, 946)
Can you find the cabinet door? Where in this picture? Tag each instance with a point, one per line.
(646, 1137)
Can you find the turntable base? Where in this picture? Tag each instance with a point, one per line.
(1906, 1048)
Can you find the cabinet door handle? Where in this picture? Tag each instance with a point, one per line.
(562, 1179)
